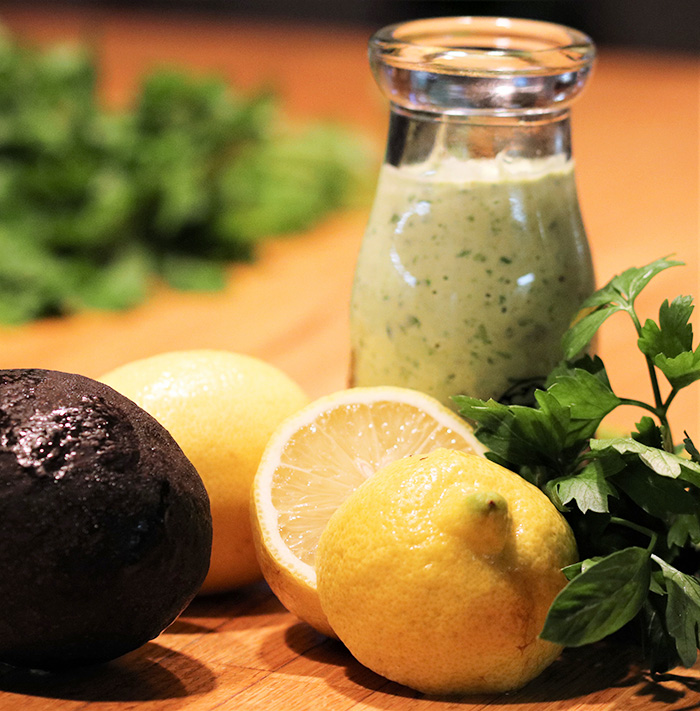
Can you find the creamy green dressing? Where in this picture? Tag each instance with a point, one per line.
(468, 276)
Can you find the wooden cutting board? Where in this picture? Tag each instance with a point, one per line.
(244, 652)
(636, 143)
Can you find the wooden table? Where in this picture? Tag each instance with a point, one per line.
(636, 143)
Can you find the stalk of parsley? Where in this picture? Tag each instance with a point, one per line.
(632, 502)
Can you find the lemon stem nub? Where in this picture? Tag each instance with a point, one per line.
(485, 522)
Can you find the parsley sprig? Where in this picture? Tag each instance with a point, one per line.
(633, 502)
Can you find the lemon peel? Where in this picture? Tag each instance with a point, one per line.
(421, 593)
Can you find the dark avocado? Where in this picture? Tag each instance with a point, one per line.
(105, 528)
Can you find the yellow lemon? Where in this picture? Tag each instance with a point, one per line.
(221, 408)
(438, 573)
(317, 458)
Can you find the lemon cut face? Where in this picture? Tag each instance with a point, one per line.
(317, 458)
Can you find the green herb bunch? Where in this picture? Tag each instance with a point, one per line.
(94, 204)
(633, 502)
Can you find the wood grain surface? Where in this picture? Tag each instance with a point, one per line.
(636, 144)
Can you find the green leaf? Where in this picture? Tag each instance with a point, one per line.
(657, 584)
(32, 280)
(659, 496)
(571, 571)
(552, 429)
(589, 488)
(691, 449)
(600, 600)
(587, 398)
(659, 461)
(517, 434)
(682, 611)
(673, 335)
(591, 364)
(618, 294)
(681, 370)
(660, 646)
(683, 529)
(631, 282)
(577, 338)
(648, 433)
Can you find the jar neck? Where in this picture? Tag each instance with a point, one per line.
(416, 137)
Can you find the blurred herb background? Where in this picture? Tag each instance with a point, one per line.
(96, 205)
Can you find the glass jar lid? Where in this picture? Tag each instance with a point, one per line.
(481, 65)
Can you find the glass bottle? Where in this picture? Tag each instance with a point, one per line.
(475, 258)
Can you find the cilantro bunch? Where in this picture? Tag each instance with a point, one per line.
(633, 502)
(97, 205)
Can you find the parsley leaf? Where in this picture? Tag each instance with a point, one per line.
(691, 449)
(663, 463)
(673, 335)
(682, 370)
(682, 611)
(601, 600)
(589, 487)
(684, 529)
(619, 294)
(586, 397)
(517, 434)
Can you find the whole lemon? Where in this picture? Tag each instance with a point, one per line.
(221, 408)
(438, 572)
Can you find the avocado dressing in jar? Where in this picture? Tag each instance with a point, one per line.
(475, 258)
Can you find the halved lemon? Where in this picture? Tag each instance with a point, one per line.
(317, 457)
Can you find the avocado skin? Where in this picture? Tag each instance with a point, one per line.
(105, 527)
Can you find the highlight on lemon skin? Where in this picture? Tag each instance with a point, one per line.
(317, 458)
(221, 408)
(438, 572)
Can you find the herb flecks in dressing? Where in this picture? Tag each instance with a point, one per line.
(468, 276)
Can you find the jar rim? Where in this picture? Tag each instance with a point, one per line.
(483, 46)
